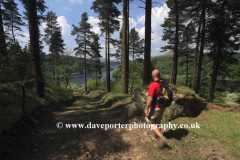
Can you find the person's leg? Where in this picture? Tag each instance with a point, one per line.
(156, 127)
(155, 117)
(157, 131)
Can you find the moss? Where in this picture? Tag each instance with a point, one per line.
(173, 87)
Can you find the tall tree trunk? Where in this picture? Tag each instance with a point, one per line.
(53, 71)
(127, 42)
(106, 59)
(85, 70)
(196, 55)
(132, 67)
(124, 50)
(96, 79)
(176, 46)
(66, 83)
(58, 80)
(147, 54)
(172, 71)
(23, 96)
(215, 70)
(201, 48)
(108, 77)
(14, 41)
(3, 46)
(213, 77)
(34, 47)
(187, 66)
(109, 88)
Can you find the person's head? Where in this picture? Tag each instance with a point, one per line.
(156, 75)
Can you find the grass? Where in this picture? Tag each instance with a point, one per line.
(83, 110)
(214, 124)
(11, 103)
(196, 158)
(116, 98)
(82, 116)
(186, 90)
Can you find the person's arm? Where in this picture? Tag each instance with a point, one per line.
(149, 104)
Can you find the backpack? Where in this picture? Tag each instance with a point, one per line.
(165, 94)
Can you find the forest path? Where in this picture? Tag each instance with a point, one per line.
(49, 142)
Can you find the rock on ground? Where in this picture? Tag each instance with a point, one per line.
(185, 103)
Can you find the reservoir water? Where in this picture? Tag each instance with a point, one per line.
(79, 78)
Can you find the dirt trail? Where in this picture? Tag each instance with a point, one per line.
(45, 141)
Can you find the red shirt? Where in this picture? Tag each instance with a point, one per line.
(153, 91)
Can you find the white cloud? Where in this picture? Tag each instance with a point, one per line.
(76, 1)
(157, 18)
(141, 19)
(43, 25)
(158, 15)
(141, 32)
(94, 22)
(67, 8)
(132, 23)
(66, 29)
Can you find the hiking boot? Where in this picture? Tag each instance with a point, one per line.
(162, 144)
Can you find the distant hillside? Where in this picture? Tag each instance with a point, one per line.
(48, 63)
(166, 54)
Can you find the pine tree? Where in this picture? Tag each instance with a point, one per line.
(32, 7)
(147, 52)
(168, 30)
(124, 50)
(118, 55)
(107, 14)
(83, 40)
(196, 55)
(194, 12)
(3, 45)
(57, 46)
(173, 29)
(95, 58)
(67, 66)
(223, 30)
(184, 49)
(51, 27)
(203, 7)
(135, 48)
(13, 20)
(128, 71)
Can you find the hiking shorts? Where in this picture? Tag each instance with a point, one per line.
(154, 115)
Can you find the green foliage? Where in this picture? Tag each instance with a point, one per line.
(205, 88)
(238, 98)
(173, 87)
(219, 97)
(117, 74)
(116, 86)
(116, 97)
(164, 64)
(67, 66)
(11, 102)
(91, 84)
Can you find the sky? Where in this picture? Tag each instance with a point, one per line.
(69, 12)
